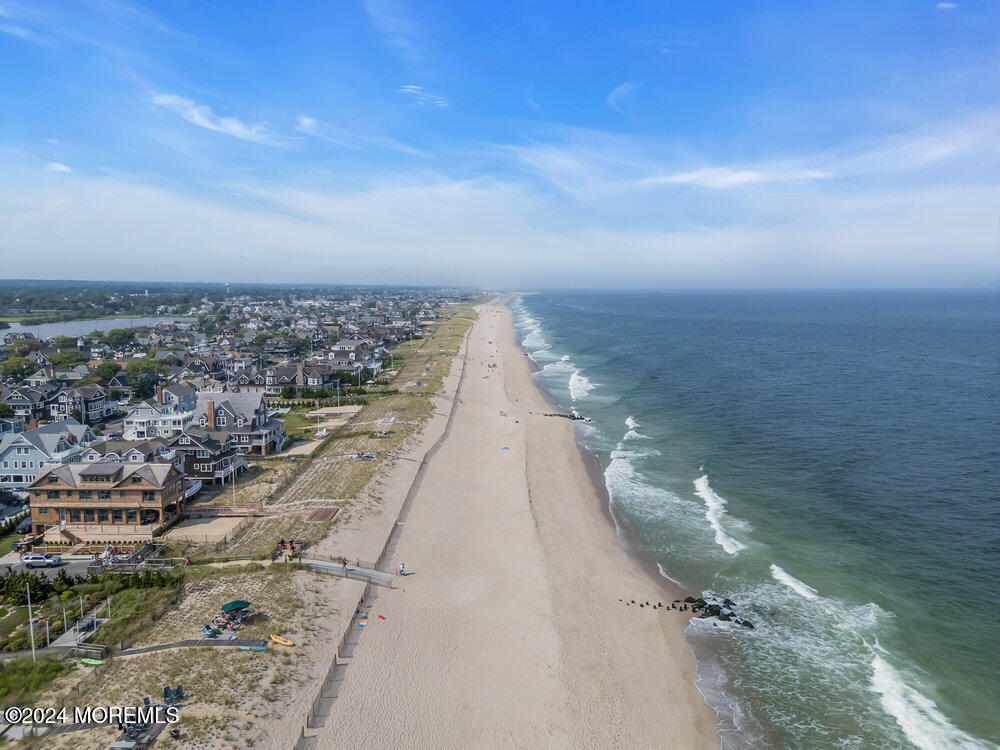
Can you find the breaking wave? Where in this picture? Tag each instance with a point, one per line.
(715, 509)
(779, 574)
(918, 716)
(579, 385)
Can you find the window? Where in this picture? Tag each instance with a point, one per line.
(86, 494)
(6, 464)
(74, 515)
(52, 494)
(131, 515)
(117, 515)
(103, 515)
(221, 422)
(88, 515)
(52, 479)
(123, 494)
(104, 494)
(136, 480)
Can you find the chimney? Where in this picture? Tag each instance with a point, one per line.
(159, 394)
(300, 377)
(33, 424)
(210, 408)
(70, 438)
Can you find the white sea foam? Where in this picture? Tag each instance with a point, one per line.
(630, 422)
(667, 576)
(715, 508)
(779, 574)
(918, 716)
(579, 386)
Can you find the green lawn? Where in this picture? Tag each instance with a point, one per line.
(298, 426)
(11, 619)
(7, 542)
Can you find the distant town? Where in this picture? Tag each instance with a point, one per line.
(203, 394)
(205, 469)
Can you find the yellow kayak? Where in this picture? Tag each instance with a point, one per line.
(282, 641)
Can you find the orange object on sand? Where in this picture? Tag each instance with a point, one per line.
(282, 641)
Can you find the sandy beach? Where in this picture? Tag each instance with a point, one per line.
(509, 628)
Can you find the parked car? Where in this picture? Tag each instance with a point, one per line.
(24, 527)
(36, 560)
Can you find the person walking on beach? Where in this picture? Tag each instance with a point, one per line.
(402, 567)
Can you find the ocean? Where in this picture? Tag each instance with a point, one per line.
(830, 460)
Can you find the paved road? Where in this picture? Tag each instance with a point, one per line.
(72, 567)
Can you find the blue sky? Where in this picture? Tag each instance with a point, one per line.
(667, 144)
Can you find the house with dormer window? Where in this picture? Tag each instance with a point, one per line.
(22, 454)
(243, 416)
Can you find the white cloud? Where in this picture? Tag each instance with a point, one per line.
(421, 97)
(339, 136)
(201, 115)
(946, 6)
(392, 20)
(617, 98)
(54, 166)
(726, 177)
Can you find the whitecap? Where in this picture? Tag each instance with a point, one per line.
(579, 386)
(715, 508)
(802, 589)
(917, 715)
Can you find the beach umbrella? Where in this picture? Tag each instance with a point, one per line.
(235, 605)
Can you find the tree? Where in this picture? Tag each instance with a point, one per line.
(67, 359)
(6, 410)
(106, 370)
(22, 347)
(65, 342)
(16, 592)
(119, 337)
(17, 368)
(288, 392)
(145, 365)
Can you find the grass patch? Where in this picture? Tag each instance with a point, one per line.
(12, 619)
(132, 612)
(22, 679)
(298, 426)
(7, 542)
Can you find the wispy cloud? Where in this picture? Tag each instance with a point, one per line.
(54, 166)
(617, 98)
(202, 116)
(946, 6)
(726, 177)
(393, 21)
(421, 97)
(341, 137)
(530, 100)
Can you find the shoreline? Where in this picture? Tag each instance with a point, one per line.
(631, 544)
(512, 614)
(630, 541)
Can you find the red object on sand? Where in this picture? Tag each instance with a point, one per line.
(381, 617)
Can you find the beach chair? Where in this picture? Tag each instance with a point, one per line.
(179, 692)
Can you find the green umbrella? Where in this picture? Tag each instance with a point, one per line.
(235, 605)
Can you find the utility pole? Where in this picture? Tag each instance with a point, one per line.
(31, 622)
